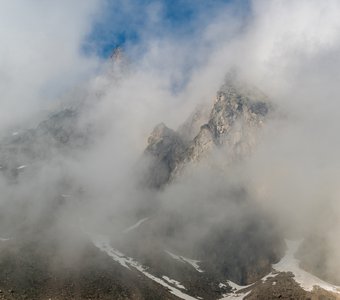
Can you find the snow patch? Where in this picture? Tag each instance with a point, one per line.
(174, 282)
(235, 287)
(192, 262)
(103, 244)
(21, 167)
(135, 225)
(236, 291)
(271, 274)
(238, 296)
(306, 280)
(4, 239)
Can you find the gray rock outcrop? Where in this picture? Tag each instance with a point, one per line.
(231, 126)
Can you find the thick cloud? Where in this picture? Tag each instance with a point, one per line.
(40, 53)
(287, 48)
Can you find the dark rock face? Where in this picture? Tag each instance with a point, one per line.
(191, 127)
(166, 149)
(242, 253)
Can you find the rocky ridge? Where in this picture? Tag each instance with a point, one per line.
(231, 127)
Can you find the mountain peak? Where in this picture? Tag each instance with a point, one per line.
(232, 124)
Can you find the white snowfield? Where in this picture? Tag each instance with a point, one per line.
(192, 262)
(4, 239)
(140, 222)
(103, 244)
(306, 280)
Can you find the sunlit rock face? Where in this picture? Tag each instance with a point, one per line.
(236, 114)
(231, 127)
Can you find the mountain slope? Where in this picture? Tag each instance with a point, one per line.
(193, 235)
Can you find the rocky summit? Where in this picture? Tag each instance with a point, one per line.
(231, 126)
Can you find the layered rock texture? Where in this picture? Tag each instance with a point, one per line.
(230, 127)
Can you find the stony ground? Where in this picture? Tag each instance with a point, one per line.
(283, 286)
(98, 277)
(28, 271)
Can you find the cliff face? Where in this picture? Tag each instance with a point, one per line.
(228, 130)
(166, 149)
(231, 127)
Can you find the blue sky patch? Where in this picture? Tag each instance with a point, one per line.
(129, 22)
